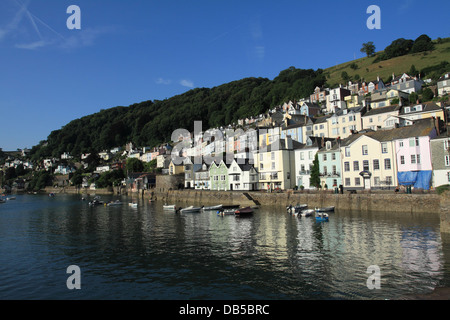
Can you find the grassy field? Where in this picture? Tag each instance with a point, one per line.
(369, 71)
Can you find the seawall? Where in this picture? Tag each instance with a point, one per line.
(408, 203)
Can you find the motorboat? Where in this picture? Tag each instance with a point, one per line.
(190, 209)
(244, 211)
(96, 202)
(294, 210)
(213, 208)
(133, 204)
(169, 207)
(307, 213)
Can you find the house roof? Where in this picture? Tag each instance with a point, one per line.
(381, 110)
(426, 107)
(420, 128)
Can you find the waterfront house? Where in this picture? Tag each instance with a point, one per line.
(190, 167)
(368, 161)
(440, 160)
(175, 169)
(413, 152)
(443, 85)
(276, 166)
(309, 109)
(303, 160)
(330, 164)
(202, 180)
(371, 86)
(242, 175)
(218, 176)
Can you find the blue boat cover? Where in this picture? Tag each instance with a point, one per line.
(417, 179)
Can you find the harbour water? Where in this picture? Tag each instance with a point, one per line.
(147, 253)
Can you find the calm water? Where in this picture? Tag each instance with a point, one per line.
(146, 253)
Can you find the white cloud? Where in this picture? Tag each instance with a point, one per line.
(187, 83)
(163, 81)
(32, 45)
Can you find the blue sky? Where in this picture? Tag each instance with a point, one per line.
(137, 50)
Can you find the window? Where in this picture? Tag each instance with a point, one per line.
(411, 142)
(365, 151)
(413, 159)
(273, 165)
(400, 144)
(366, 165)
(389, 180)
(357, 181)
(376, 181)
(448, 176)
(347, 181)
(334, 170)
(355, 165)
(447, 161)
(216, 178)
(222, 178)
(325, 170)
(384, 147)
(324, 157)
(402, 159)
(261, 166)
(261, 157)
(347, 152)
(376, 164)
(417, 141)
(446, 144)
(346, 166)
(302, 156)
(418, 158)
(333, 156)
(272, 155)
(387, 164)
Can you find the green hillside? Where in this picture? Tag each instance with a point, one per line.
(427, 63)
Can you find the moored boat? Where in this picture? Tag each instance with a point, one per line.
(213, 208)
(325, 209)
(190, 209)
(244, 211)
(307, 213)
(294, 210)
(169, 207)
(133, 204)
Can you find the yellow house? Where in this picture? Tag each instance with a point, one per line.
(368, 161)
(175, 169)
(321, 127)
(276, 166)
(267, 135)
(422, 111)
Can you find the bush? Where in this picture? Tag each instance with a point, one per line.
(443, 188)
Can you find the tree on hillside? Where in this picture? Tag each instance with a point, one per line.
(368, 48)
(422, 43)
(398, 48)
(134, 165)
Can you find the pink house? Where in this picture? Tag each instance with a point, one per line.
(412, 147)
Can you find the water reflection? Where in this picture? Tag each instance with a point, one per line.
(149, 253)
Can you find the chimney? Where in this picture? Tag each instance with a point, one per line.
(288, 143)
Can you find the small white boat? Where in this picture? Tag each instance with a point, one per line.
(169, 207)
(190, 209)
(307, 213)
(213, 208)
(11, 198)
(133, 204)
(226, 212)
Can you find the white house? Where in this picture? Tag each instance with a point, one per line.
(242, 175)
